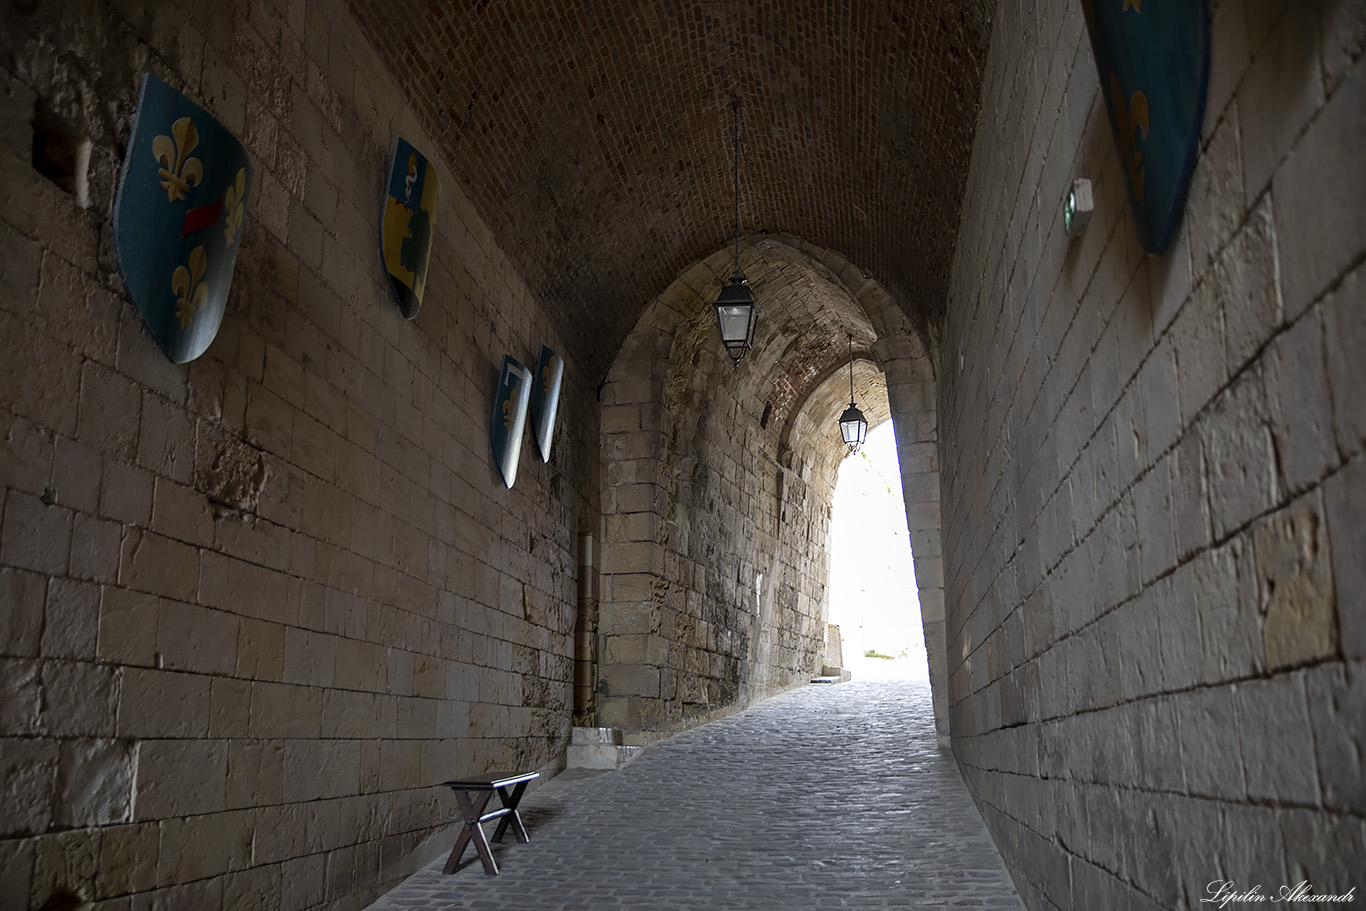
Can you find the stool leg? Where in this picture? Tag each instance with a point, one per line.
(514, 818)
(472, 810)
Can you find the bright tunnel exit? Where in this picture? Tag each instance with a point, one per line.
(873, 595)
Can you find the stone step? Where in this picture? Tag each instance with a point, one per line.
(833, 675)
(599, 748)
(584, 736)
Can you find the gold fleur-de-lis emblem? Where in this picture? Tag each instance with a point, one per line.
(235, 201)
(507, 414)
(192, 293)
(1133, 120)
(178, 172)
(548, 373)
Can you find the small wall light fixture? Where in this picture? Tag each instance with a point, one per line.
(737, 313)
(853, 427)
(1076, 210)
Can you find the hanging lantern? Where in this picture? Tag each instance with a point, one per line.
(737, 314)
(853, 427)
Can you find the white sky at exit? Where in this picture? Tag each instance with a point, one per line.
(873, 596)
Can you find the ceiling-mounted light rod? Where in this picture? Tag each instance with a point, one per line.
(737, 313)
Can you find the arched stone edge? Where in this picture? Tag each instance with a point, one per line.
(907, 359)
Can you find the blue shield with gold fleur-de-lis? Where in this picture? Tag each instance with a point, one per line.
(406, 229)
(510, 401)
(178, 218)
(545, 401)
(1153, 60)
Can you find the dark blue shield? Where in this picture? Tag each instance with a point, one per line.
(406, 229)
(545, 403)
(1153, 60)
(178, 218)
(509, 417)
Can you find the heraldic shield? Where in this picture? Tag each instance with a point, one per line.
(409, 219)
(178, 218)
(545, 402)
(1153, 60)
(509, 417)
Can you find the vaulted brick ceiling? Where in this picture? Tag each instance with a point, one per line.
(595, 138)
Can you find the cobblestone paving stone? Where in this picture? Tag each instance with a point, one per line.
(826, 797)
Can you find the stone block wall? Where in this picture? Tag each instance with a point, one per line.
(1153, 473)
(717, 484)
(714, 566)
(253, 607)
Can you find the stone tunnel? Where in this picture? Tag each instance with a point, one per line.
(253, 605)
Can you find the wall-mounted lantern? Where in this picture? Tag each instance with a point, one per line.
(1077, 208)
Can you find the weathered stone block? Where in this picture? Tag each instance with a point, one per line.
(21, 622)
(1277, 739)
(1299, 399)
(195, 638)
(1198, 344)
(280, 710)
(94, 783)
(1317, 242)
(1295, 584)
(1345, 496)
(64, 865)
(95, 546)
(154, 563)
(36, 535)
(255, 774)
(144, 710)
(1336, 694)
(1217, 202)
(179, 777)
(1239, 459)
(128, 859)
(79, 699)
(1224, 588)
(1282, 90)
(28, 770)
(1210, 725)
(1322, 848)
(1344, 339)
(627, 619)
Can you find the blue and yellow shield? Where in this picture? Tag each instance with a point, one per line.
(409, 219)
(509, 417)
(545, 403)
(1153, 60)
(178, 218)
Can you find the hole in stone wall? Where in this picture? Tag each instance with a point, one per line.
(763, 420)
(62, 900)
(61, 154)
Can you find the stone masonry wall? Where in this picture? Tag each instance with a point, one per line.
(717, 484)
(710, 599)
(253, 607)
(1154, 476)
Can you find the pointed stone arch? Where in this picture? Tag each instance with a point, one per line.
(717, 483)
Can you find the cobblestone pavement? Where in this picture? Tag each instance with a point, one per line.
(826, 797)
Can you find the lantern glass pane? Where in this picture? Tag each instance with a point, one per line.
(735, 323)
